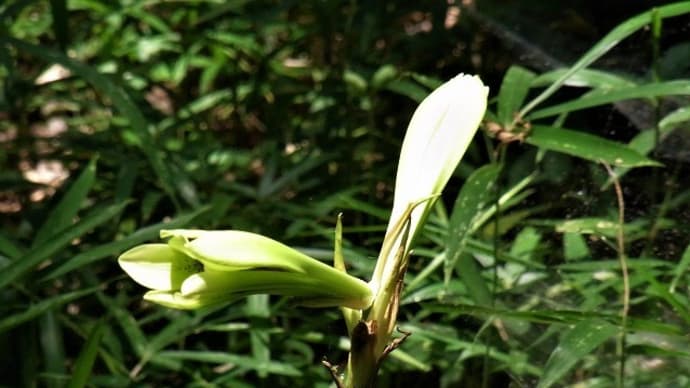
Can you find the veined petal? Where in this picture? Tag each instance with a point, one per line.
(157, 266)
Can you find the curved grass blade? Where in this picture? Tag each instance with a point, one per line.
(611, 39)
(570, 317)
(657, 89)
(10, 248)
(87, 357)
(248, 363)
(140, 236)
(60, 240)
(576, 343)
(41, 307)
(588, 78)
(681, 268)
(64, 212)
(678, 116)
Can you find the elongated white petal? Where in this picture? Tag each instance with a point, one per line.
(439, 133)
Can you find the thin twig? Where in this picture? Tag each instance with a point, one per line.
(333, 370)
(620, 240)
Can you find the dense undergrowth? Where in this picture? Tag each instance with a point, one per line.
(558, 255)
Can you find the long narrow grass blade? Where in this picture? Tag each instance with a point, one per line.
(95, 218)
(63, 213)
(619, 33)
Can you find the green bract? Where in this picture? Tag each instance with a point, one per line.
(198, 268)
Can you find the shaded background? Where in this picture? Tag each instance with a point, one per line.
(271, 117)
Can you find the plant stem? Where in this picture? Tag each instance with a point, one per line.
(620, 240)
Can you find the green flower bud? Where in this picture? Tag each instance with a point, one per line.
(198, 268)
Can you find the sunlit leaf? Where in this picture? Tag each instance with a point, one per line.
(586, 146)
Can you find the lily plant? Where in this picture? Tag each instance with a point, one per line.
(199, 268)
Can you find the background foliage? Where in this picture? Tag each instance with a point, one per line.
(118, 119)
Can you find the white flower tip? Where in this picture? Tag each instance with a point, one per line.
(194, 284)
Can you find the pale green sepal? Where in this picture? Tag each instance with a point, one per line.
(157, 266)
(231, 250)
(178, 301)
(331, 291)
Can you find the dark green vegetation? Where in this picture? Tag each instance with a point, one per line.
(119, 120)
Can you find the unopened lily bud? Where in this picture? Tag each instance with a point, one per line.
(199, 268)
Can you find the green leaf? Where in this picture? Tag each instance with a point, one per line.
(678, 303)
(590, 78)
(473, 198)
(514, 89)
(10, 248)
(574, 246)
(87, 357)
(410, 360)
(258, 312)
(116, 247)
(64, 212)
(249, 363)
(383, 76)
(611, 39)
(60, 240)
(586, 146)
(449, 337)
(576, 343)
(41, 307)
(52, 348)
(408, 88)
(526, 243)
(601, 97)
(588, 225)
(559, 316)
(130, 327)
(678, 116)
(645, 141)
(58, 10)
(681, 268)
